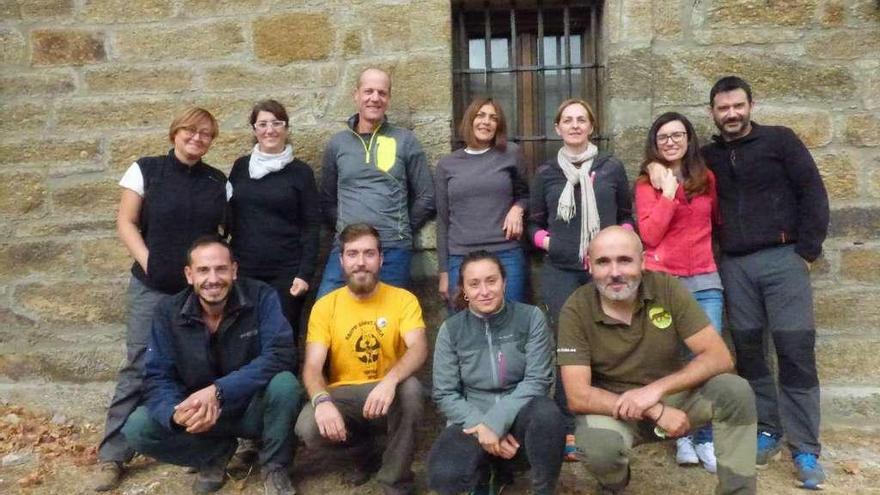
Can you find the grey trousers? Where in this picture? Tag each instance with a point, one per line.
(768, 295)
(142, 303)
(399, 425)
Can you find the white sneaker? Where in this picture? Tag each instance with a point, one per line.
(685, 454)
(706, 452)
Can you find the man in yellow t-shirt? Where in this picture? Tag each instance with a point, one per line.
(373, 337)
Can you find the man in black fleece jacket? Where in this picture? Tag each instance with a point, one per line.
(774, 212)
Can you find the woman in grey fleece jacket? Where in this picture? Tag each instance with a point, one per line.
(481, 194)
(492, 375)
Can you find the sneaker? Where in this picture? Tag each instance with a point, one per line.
(276, 482)
(108, 477)
(245, 455)
(706, 452)
(769, 448)
(809, 471)
(685, 455)
(571, 449)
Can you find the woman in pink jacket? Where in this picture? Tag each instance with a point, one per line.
(675, 224)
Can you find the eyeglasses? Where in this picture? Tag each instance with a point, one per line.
(262, 125)
(205, 134)
(676, 137)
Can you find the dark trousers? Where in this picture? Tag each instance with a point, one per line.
(768, 295)
(142, 303)
(291, 306)
(399, 425)
(268, 417)
(456, 459)
(556, 286)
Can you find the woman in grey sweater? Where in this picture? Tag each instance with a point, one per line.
(481, 194)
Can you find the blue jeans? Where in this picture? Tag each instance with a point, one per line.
(712, 302)
(514, 263)
(394, 271)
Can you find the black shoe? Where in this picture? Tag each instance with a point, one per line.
(276, 482)
(211, 477)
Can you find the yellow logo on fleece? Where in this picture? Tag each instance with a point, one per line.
(386, 152)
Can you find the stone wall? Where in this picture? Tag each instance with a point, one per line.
(813, 66)
(88, 86)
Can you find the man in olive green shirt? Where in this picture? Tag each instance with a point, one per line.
(623, 372)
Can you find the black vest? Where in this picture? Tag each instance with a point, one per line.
(181, 203)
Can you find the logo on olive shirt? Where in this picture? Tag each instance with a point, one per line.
(659, 317)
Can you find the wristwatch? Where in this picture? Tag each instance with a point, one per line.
(218, 394)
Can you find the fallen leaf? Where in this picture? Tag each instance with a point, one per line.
(851, 467)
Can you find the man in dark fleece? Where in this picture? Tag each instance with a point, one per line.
(218, 367)
(774, 211)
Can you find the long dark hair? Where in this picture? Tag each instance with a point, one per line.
(473, 257)
(693, 169)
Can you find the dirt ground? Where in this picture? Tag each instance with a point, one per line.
(56, 455)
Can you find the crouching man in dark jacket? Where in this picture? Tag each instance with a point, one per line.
(218, 367)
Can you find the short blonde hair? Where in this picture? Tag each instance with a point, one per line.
(190, 118)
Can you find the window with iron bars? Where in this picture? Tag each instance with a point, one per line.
(528, 56)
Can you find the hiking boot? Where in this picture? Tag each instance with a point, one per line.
(245, 455)
(210, 478)
(616, 488)
(769, 448)
(108, 476)
(685, 455)
(706, 452)
(809, 471)
(276, 482)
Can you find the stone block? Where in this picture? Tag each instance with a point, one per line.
(117, 114)
(227, 147)
(747, 36)
(136, 80)
(774, 76)
(65, 226)
(48, 152)
(863, 129)
(286, 38)
(66, 47)
(40, 9)
(18, 260)
(203, 8)
(250, 77)
(814, 127)
(352, 43)
(201, 41)
(23, 118)
(869, 88)
(422, 84)
(832, 13)
(76, 365)
(116, 11)
(125, 150)
(21, 193)
(667, 19)
(637, 21)
(731, 13)
(839, 174)
(12, 46)
(309, 143)
(836, 359)
(42, 84)
(98, 198)
(628, 146)
(847, 310)
(856, 407)
(73, 302)
(857, 222)
(847, 45)
(418, 25)
(105, 257)
(861, 264)
(630, 74)
(866, 11)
